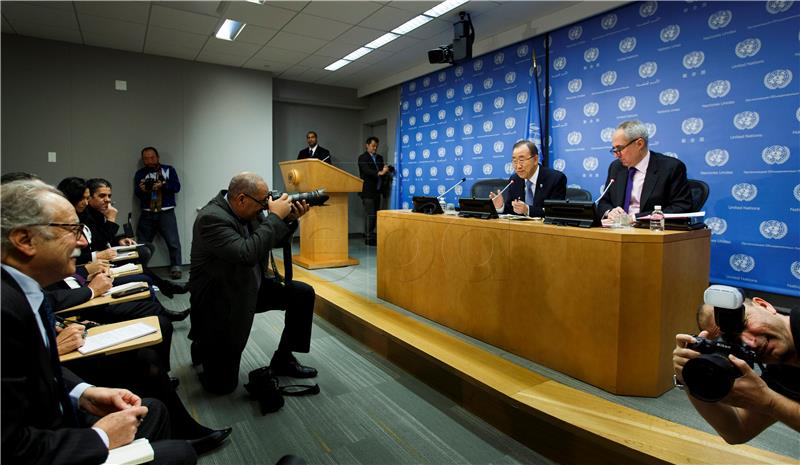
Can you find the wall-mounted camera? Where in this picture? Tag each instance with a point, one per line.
(461, 48)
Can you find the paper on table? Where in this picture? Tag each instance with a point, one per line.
(101, 341)
(125, 248)
(675, 216)
(116, 270)
(139, 451)
(125, 287)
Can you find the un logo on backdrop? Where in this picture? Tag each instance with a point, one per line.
(488, 83)
(440, 189)
(591, 55)
(574, 85)
(608, 78)
(434, 97)
(559, 114)
(477, 107)
(426, 117)
(522, 50)
(746, 120)
(510, 77)
(499, 58)
(419, 101)
(426, 153)
(718, 88)
(450, 132)
(477, 65)
(426, 82)
(748, 48)
(669, 97)
(626, 103)
(777, 79)
(647, 9)
(559, 63)
(559, 164)
(441, 114)
(412, 120)
(418, 172)
(405, 172)
(608, 21)
(450, 93)
(405, 105)
(627, 44)
(442, 76)
(718, 226)
(467, 129)
(412, 86)
(775, 154)
(459, 111)
(720, 19)
(426, 189)
(498, 103)
(794, 268)
(742, 263)
(450, 170)
(418, 137)
(773, 229)
(574, 138)
(744, 191)
(717, 157)
(651, 129)
(670, 33)
(775, 7)
(433, 171)
(671, 154)
(441, 152)
(412, 189)
(591, 109)
(522, 97)
(458, 150)
(488, 126)
(459, 71)
(405, 138)
(487, 169)
(575, 33)
(509, 168)
(590, 163)
(797, 114)
(498, 146)
(796, 192)
(467, 170)
(434, 134)
(606, 134)
(691, 126)
(467, 88)
(694, 59)
(510, 122)
(648, 69)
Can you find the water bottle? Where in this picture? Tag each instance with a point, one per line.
(442, 203)
(657, 219)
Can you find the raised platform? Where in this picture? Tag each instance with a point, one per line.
(560, 422)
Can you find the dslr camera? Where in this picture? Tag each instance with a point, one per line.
(150, 181)
(314, 198)
(710, 376)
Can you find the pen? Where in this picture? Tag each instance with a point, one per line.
(62, 323)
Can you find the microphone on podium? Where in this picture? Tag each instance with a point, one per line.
(453, 187)
(610, 182)
(326, 158)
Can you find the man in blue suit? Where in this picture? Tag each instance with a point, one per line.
(533, 184)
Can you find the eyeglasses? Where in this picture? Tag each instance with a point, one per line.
(264, 203)
(519, 161)
(620, 149)
(75, 228)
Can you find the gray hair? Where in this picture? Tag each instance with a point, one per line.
(23, 204)
(635, 130)
(244, 183)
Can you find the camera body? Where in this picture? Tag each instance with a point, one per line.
(151, 179)
(710, 376)
(314, 198)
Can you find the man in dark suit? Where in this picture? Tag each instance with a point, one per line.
(49, 415)
(373, 171)
(230, 253)
(642, 179)
(314, 150)
(533, 184)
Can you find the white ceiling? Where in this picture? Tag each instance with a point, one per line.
(290, 39)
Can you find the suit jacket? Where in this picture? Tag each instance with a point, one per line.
(320, 154)
(228, 263)
(35, 429)
(369, 173)
(665, 184)
(551, 184)
(104, 232)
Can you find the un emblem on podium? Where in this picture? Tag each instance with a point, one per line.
(450, 170)
(488, 83)
(426, 117)
(796, 192)
(459, 111)
(742, 263)
(477, 65)
(459, 71)
(499, 58)
(487, 169)
(498, 146)
(426, 153)
(458, 150)
(467, 88)
(434, 97)
(412, 120)
(442, 76)
(775, 154)
(434, 134)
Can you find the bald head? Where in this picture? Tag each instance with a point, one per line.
(246, 182)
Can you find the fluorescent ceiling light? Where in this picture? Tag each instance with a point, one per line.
(412, 24)
(382, 40)
(337, 64)
(230, 29)
(444, 7)
(260, 2)
(356, 54)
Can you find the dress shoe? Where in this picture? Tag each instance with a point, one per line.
(176, 316)
(292, 368)
(210, 441)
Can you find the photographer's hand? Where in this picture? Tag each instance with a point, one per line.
(749, 391)
(298, 209)
(281, 206)
(681, 354)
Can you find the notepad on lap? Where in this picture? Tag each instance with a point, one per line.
(101, 341)
(116, 270)
(125, 248)
(139, 451)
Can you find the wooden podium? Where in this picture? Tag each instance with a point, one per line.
(323, 230)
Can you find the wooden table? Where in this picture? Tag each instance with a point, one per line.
(600, 305)
(106, 300)
(144, 341)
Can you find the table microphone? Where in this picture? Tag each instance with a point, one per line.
(507, 186)
(610, 182)
(454, 186)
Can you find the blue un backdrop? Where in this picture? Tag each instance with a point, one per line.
(716, 83)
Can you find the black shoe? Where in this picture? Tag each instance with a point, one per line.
(292, 368)
(210, 441)
(176, 316)
(174, 383)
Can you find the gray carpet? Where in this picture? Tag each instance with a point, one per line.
(371, 412)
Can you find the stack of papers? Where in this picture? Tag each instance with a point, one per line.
(101, 341)
(117, 270)
(125, 287)
(125, 248)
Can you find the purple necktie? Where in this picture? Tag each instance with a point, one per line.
(628, 189)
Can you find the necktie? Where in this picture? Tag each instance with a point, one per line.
(628, 189)
(528, 192)
(49, 322)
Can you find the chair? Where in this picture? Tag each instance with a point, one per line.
(699, 191)
(481, 189)
(576, 193)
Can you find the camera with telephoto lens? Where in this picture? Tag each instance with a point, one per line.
(314, 198)
(710, 376)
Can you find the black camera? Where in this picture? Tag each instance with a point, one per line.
(710, 376)
(314, 198)
(150, 181)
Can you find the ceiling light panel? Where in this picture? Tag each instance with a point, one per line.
(412, 24)
(230, 29)
(382, 40)
(356, 54)
(336, 65)
(444, 7)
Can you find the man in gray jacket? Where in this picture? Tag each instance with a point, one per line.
(232, 239)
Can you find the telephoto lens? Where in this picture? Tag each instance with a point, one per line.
(314, 198)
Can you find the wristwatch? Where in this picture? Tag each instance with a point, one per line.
(677, 384)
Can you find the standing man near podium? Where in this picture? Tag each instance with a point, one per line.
(314, 150)
(373, 171)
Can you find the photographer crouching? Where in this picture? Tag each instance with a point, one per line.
(715, 367)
